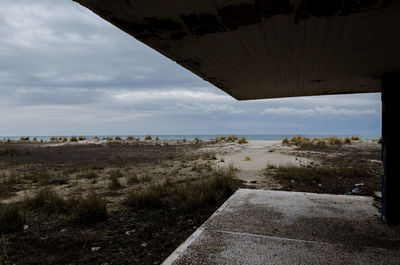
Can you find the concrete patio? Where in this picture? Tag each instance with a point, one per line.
(277, 227)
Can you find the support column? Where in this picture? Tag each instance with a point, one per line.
(390, 148)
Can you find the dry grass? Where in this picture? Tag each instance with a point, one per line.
(48, 201)
(12, 217)
(231, 139)
(148, 137)
(114, 184)
(321, 179)
(91, 209)
(185, 195)
(305, 142)
(133, 179)
(242, 141)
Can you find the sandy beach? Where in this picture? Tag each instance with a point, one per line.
(186, 174)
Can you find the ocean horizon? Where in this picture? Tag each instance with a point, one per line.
(200, 136)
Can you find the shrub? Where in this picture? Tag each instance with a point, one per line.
(73, 139)
(12, 217)
(114, 184)
(133, 179)
(48, 200)
(130, 138)
(116, 173)
(231, 138)
(150, 197)
(89, 175)
(117, 138)
(247, 158)
(320, 143)
(347, 140)
(146, 178)
(301, 141)
(91, 209)
(242, 141)
(148, 137)
(335, 141)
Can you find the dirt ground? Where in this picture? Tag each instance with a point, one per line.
(148, 236)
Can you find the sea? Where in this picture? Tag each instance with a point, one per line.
(202, 137)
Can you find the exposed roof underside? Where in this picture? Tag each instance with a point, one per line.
(256, 49)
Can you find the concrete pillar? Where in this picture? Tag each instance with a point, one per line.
(390, 148)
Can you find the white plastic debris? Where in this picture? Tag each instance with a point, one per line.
(94, 249)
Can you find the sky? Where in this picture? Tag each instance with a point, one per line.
(66, 71)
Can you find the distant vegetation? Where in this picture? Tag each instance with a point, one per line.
(231, 139)
(305, 142)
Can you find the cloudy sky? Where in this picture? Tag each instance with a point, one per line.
(65, 71)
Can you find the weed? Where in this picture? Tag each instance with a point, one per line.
(189, 194)
(335, 140)
(73, 139)
(116, 173)
(133, 179)
(320, 143)
(48, 200)
(12, 217)
(89, 175)
(308, 178)
(117, 138)
(231, 138)
(3, 251)
(146, 178)
(91, 209)
(148, 137)
(43, 177)
(9, 151)
(150, 197)
(247, 158)
(242, 141)
(114, 184)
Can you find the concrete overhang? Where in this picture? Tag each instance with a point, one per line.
(255, 49)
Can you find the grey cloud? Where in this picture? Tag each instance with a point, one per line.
(64, 70)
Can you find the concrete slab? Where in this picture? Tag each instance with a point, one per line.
(277, 227)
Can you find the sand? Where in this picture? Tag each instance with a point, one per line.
(252, 159)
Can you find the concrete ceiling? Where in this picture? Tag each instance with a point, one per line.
(255, 49)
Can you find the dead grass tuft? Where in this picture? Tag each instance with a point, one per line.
(91, 209)
(189, 194)
(114, 184)
(242, 141)
(12, 217)
(47, 200)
